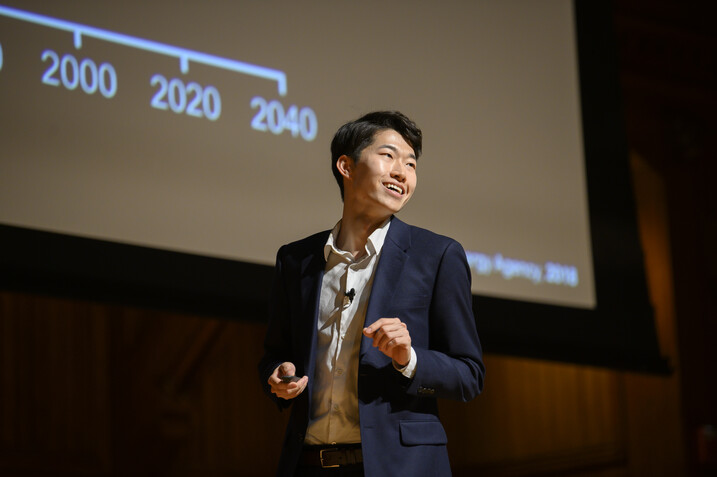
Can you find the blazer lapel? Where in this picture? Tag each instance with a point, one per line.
(312, 273)
(388, 272)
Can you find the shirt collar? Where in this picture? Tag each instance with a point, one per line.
(374, 244)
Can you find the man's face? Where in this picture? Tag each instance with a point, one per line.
(384, 177)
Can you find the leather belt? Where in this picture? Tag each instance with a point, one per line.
(331, 456)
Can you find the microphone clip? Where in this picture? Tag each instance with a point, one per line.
(349, 297)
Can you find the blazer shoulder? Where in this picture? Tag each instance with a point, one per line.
(306, 246)
(425, 239)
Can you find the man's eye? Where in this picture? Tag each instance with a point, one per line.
(412, 164)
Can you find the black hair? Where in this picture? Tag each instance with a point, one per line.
(353, 137)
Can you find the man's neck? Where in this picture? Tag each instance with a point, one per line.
(355, 231)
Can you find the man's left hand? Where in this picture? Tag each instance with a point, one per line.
(391, 337)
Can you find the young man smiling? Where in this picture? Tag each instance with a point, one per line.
(371, 322)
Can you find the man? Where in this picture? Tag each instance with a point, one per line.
(371, 322)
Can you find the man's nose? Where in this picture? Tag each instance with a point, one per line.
(399, 171)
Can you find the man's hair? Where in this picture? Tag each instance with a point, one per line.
(353, 137)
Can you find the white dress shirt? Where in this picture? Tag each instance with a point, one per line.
(334, 408)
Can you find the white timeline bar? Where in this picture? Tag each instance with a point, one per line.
(184, 55)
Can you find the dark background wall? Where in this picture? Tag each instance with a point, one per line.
(91, 388)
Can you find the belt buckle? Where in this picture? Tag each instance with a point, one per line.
(321, 458)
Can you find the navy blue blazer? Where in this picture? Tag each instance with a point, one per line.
(423, 279)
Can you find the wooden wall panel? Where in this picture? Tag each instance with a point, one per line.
(190, 401)
(538, 417)
(54, 393)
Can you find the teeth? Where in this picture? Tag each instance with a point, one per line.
(394, 187)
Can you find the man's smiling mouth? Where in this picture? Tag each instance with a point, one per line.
(394, 187)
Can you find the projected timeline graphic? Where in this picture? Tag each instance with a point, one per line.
(170, 94)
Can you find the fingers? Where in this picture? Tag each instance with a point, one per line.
(386, 330)
(379, 325)
(391, 337)
(290, 390)
(284, 369)
(286, 390)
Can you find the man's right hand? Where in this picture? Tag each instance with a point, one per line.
(286, 390)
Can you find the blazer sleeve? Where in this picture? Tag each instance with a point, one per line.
(452, 366)
(278, 339)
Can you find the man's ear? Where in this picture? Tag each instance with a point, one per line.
(345, 166)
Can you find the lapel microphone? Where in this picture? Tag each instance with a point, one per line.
(351, 294)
